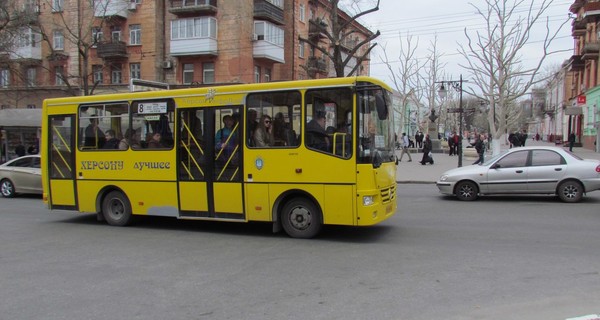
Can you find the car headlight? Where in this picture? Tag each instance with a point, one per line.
(367, 200)
(444, 177)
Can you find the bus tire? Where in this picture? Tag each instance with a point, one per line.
(300, 218)
(116, 209)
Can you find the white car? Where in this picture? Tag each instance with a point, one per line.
(21, 175)
(525, 170)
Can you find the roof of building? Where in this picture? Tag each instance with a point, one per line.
(20, 117)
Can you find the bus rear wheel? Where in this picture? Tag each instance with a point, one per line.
(116, 209)
(300, 218)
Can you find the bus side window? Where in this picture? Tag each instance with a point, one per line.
(282, 109)
(96, 120)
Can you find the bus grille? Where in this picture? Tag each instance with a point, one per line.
(388, 194)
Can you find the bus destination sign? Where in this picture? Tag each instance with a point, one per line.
(152, 107)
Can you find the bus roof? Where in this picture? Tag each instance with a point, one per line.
(266, 86)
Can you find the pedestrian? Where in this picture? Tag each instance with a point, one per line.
(571, 141)
(405, 144)
(419, 139)
(20, 150)
(523, 138)
(427, 156)
(480, 148)
(450, 145)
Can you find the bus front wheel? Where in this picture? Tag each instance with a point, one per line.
(300, 218)
(116, 209)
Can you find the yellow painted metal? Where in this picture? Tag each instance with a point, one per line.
(193, 196)
(62, 192)
(228, 197)
(258, 202)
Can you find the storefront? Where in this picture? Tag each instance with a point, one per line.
(19, 130)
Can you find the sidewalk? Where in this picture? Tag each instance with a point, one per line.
(414, 172)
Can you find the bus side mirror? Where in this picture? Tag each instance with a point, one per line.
(382, 110)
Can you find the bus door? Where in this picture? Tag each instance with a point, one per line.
(61, 161)
(209, 164)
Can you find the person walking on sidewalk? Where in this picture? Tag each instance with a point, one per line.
(405, 144)
(427, 151)
(571, 141)
(480, 148)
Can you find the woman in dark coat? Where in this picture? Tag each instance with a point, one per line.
(426, 150)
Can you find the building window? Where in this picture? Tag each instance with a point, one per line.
(116, 75)
(58, 41)
(257, 74)
(135, 34)
(208, 72)
(203, 27)
(4, 78)
(135, 71)
(278, 3)
(136, 1)
(302, 12)
(301, 49)
(188, 73)
(57, 5)
(195, 2)
(267, 75)
(97, 36)
(27, 38)
(31, 77)
(98, 74)
(59, 76)
(269, 32)
(115, 34)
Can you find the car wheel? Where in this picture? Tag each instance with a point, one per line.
(466, 191)
(7, 188)
(116, 209)
(300, 218)
(570, 191)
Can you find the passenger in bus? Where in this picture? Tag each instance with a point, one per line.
(94, 137)
(316, 136)
(154, 141)
(222, 140)
(251, 126)
(130, 139)
(263, 136)
(111, 140)
(284, 136)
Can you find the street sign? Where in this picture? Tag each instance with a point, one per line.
(458, 110)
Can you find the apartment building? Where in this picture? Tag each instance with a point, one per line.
(583, 96)
(82, 47)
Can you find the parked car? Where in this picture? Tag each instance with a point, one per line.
(21, 175)
(525, 170)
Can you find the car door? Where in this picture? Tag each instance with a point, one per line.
(545, 171)
(509, 173)
(26, 175)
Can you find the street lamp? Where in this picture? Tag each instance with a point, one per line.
(443, 92)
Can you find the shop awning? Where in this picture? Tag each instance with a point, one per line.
(21, 118)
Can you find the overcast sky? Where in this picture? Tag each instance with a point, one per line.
(424, 19)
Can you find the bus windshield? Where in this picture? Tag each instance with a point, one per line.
(375, 126)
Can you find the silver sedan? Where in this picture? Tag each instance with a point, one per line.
(21, 175)
(525, 170)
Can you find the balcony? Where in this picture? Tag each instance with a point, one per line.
(193, 7)
(315, 64)
(30, 14)
(579, 28)
(590, 50)
(194, 47)
(264, 10)
(266, 50)
(111, 8)
(591, 11)
(27, 53)
(112, 50)
(576, 63)
(315, 28)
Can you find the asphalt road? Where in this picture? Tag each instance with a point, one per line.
(497, 258)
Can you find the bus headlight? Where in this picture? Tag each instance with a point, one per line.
(367, 200)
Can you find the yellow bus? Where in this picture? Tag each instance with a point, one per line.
(298, 154)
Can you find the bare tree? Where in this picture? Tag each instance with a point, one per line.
(493, 61)
(405, 77)
(342, 49)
